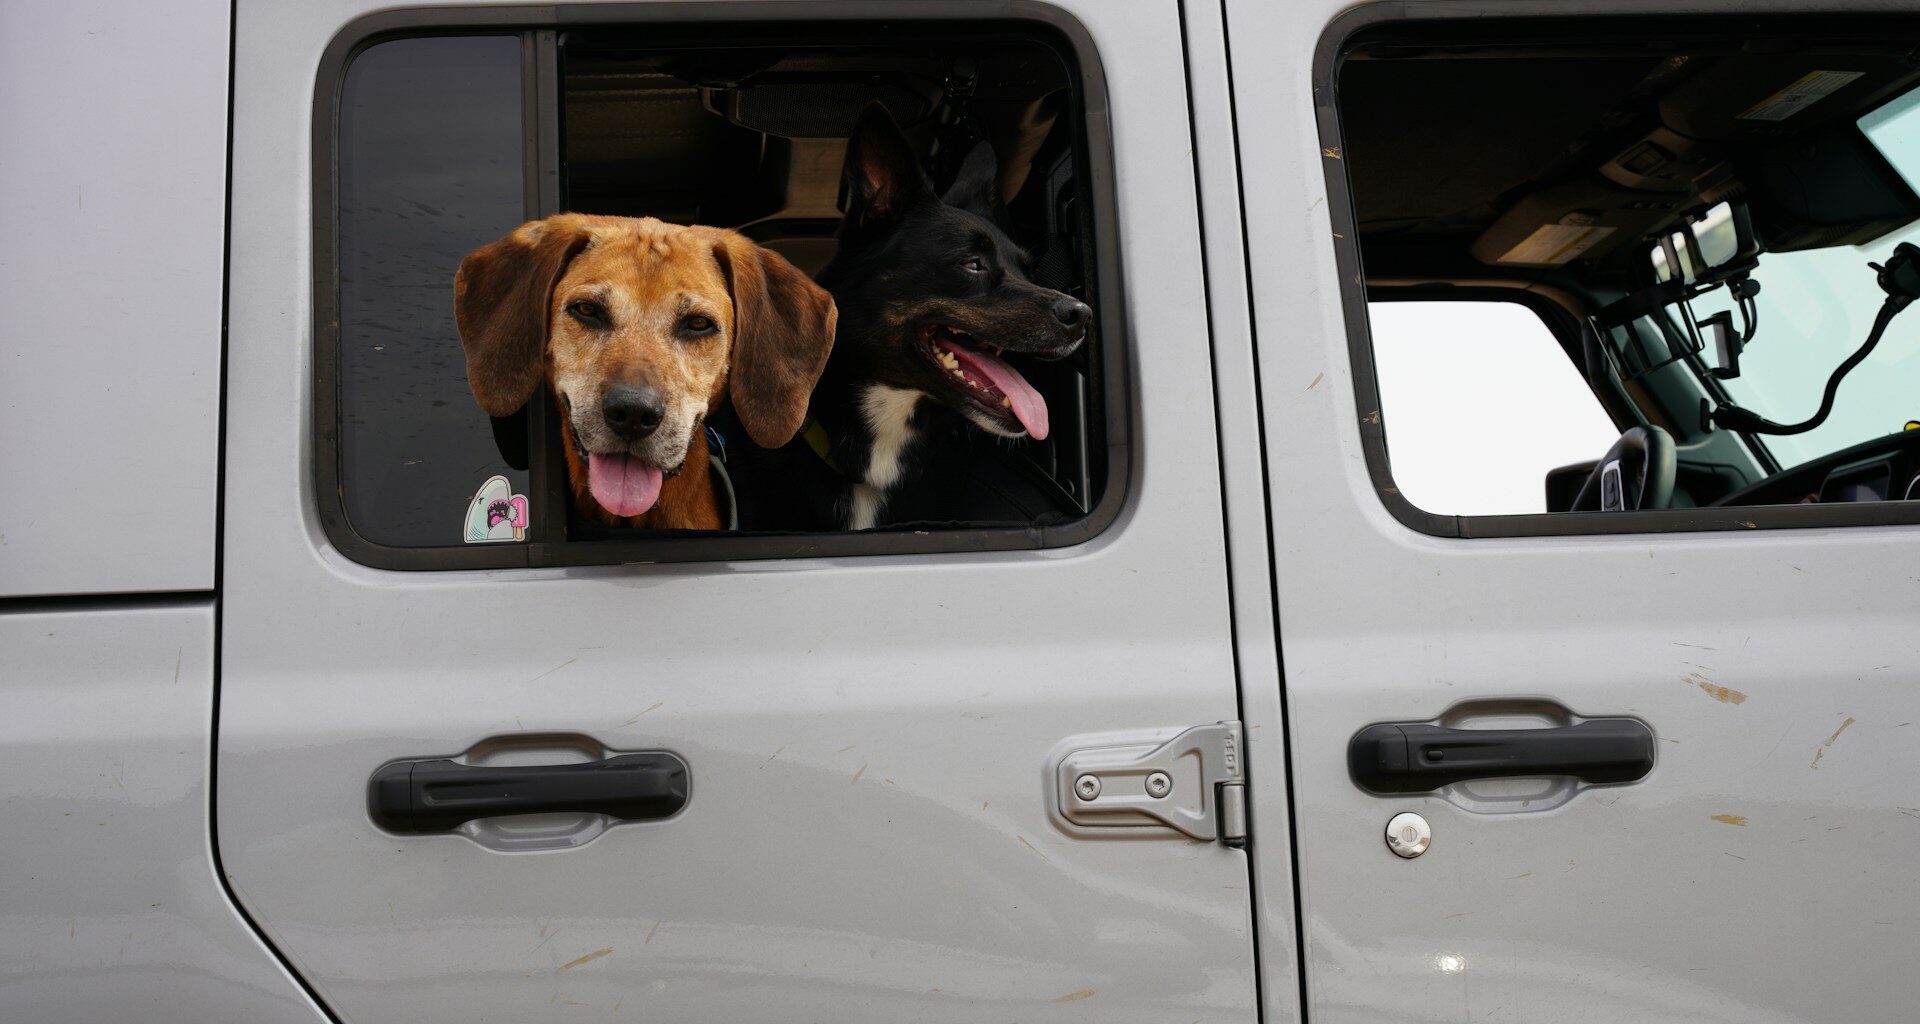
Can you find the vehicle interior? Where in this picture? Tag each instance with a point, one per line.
(1693, 211)
(751, 135)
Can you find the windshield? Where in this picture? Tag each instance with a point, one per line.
(1816, 307)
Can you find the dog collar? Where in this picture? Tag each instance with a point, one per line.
(722, 480)
(821, 444)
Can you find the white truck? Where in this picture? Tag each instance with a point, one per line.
(1268, 716)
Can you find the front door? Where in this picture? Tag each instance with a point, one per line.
(1755, 681)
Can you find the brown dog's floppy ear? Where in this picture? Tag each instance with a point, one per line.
(782, 331)
(500, 301)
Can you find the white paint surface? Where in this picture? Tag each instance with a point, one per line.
(113, 129)
(113, 910)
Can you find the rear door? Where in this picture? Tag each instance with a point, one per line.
(867, 740)
(1759, 872)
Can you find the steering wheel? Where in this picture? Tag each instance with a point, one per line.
(1642, 456)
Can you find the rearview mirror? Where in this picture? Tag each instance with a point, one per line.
(1715, 248)
(1715, 245)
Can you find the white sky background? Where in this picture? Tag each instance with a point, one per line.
(1816, 308)
(1479, 401)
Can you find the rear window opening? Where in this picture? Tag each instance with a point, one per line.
(448, 142)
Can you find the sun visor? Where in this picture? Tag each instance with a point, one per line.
(816, 106)
(1832, 188)
(1741, 99)
(1584, 220)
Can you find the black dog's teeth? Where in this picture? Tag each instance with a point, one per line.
(949, 363)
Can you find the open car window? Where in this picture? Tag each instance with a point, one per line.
(434, 143)
(1700, 199)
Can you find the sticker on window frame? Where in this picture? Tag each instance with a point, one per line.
(496, 515)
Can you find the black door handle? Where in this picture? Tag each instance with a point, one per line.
(1416, 757)
(441, 795)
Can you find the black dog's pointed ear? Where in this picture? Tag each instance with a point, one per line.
(882, 177)
(976, 186)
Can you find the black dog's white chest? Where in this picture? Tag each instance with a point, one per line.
(887, 414)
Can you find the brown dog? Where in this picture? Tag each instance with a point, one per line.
(638, 326)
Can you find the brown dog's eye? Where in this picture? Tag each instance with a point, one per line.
(592, 314)
(697, 324)
(975, 265)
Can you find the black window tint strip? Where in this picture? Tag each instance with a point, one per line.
(430, 166)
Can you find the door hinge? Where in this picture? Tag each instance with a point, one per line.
(1136, 783)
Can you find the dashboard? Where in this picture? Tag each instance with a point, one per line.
(1883, 469)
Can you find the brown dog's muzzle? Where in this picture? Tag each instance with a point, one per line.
(632, 413)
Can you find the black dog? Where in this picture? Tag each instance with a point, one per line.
(932, 292)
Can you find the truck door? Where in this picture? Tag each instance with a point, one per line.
(1705, 812)
(922, 775)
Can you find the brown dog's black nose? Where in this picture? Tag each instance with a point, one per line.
(1073, 315)
(632, 413)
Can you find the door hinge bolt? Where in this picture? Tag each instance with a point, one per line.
(1086, 787)
(1159, 784)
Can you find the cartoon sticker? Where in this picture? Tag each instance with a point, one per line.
(496, 515)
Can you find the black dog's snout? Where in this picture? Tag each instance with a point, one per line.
(632, 413)
(1073, 315)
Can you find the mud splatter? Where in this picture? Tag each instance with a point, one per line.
(1731, 819)
(1073, 997)
(577, 961)
(1723, 694)
(1822, 752)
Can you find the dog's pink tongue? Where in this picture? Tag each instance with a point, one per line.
(1027, 404)
(622, 484)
